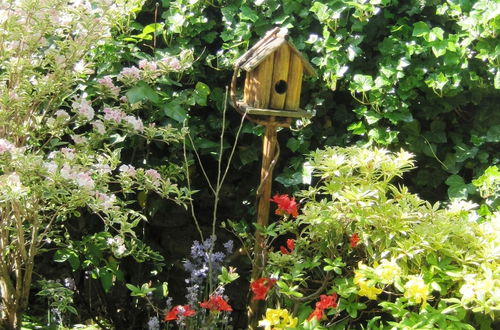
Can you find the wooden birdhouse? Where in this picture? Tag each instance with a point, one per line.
(274, 72)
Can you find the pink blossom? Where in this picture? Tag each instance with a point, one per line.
(83, 108)
(106, 201)
(129, 74)
(147, 65)
(154, 176)
(172, 63)
(113, 115)
(84, 180)
(127, 169)
(136, 123)
(5, 146)
(99, 127)
(107, 83)
(102, 168)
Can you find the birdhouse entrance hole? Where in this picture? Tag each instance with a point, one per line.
(280, 87)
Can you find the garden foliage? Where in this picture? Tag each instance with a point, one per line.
(391, 258)
(107, 109)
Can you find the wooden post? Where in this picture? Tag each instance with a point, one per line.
(256, 308)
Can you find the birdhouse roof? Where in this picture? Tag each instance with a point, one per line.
(264, 47)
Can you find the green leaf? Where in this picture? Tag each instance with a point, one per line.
(201, 93)
(151, 28)
(248, 154)
(248, 14)
(293, 144)
(497, 80)
(106, 278)
(362, 83)
(175, 111)
(420, 29)
(142, 91)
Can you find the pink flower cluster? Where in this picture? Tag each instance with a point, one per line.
(83, 108)
(129, 74)
(154, 176)
(171, 63)
(118, 116)
(82, 179)
(5, 146)
(108, 84)
(148, 65)
(128, 170)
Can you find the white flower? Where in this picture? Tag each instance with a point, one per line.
(62, 115)
(136, 123)
(67, 172)
(127, 170)
(68, 153)
(99, 127)
(51, 167)
(84, 180)
(78, 139)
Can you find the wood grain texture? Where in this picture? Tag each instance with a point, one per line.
(256, 309)
(295, 73)
(280, 72)
(262, 82)
(248, 93)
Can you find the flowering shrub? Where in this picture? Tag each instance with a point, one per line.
(363, 244)
(59, 144)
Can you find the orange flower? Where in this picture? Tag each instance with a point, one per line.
(261, 286)
(179, 310)
(290, 243)
(354, 240)
(323, 303)
(286, 205)
(216, 303)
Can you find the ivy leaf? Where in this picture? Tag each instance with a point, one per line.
(248, 14)
(142, 91)
(362, 83)
(175, 111)
(248, 154)
(201, 93)
(420, 29)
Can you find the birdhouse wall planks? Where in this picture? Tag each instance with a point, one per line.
(274, 72)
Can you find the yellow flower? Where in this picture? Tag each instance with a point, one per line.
(417, 290)
(278, 319)
(365, 290)
(388, 271)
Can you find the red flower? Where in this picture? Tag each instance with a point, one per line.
(354, 239)
(290, 243)
(318, 313)
(323, 303)
(286, 205)
(284, 250)
(179, 310)
(261, 286)
(216, 303)
(327, 301)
